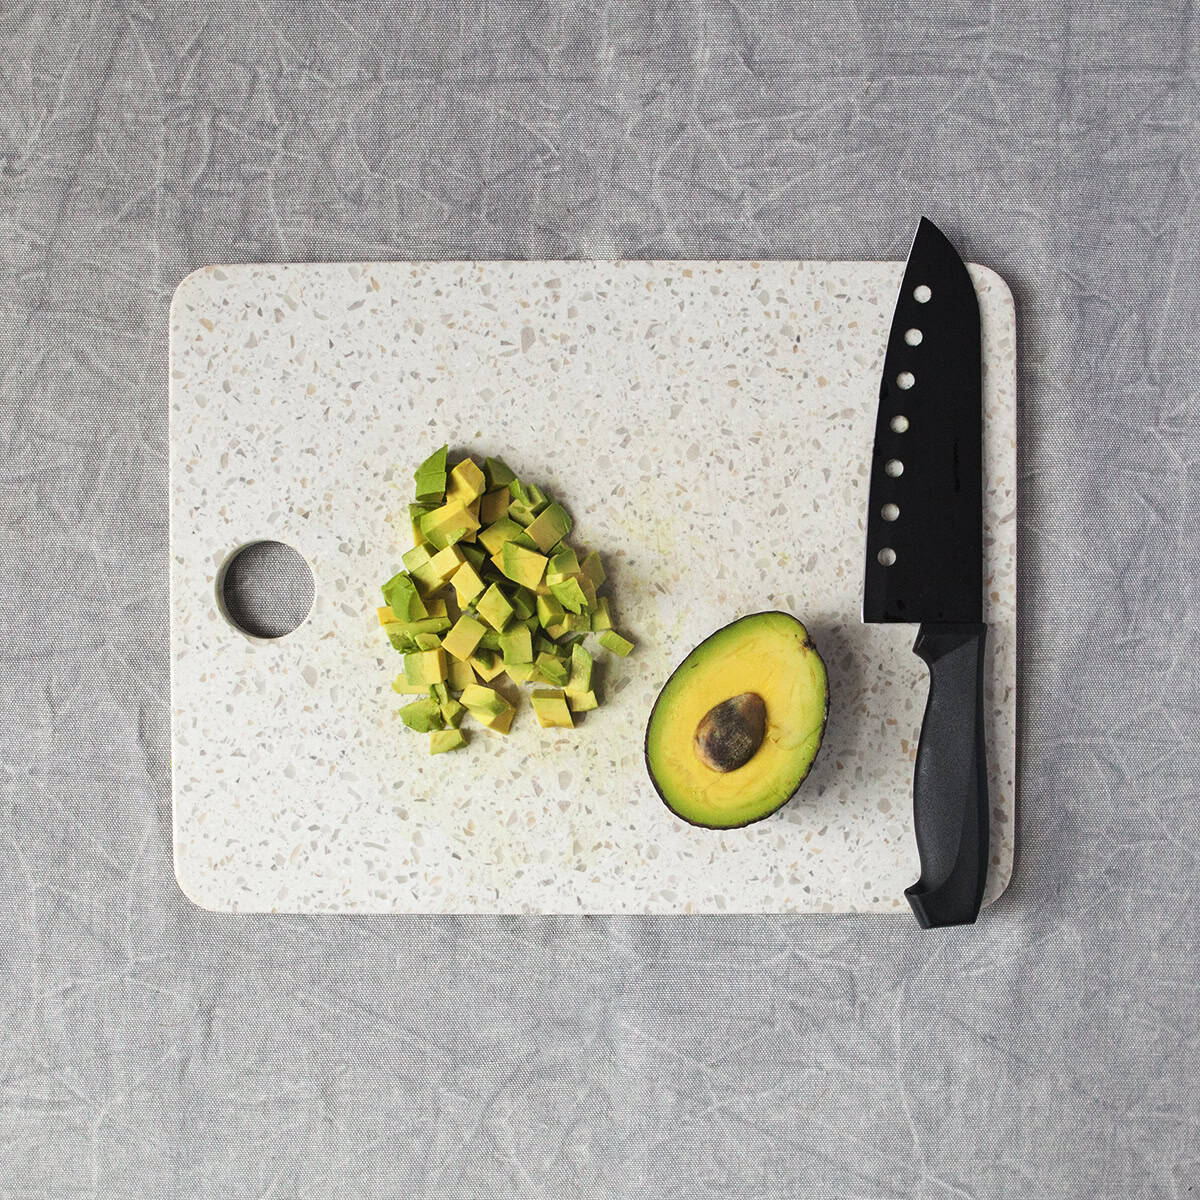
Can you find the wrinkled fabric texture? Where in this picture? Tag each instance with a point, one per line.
(150, 1049)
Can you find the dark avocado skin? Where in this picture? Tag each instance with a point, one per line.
(808, 644)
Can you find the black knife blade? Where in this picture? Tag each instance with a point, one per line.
(924, 561)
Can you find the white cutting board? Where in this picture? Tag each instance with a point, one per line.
(708, 425)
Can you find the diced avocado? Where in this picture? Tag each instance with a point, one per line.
(440, 692)
(416, 562)
(551, 709)
(523, 566)
(549, 610)
(516, 489)
(497, 533)
(490, 640)
(544, 645)
(523, 539)
(445, 562)
(521, 512)
(463, 638)
(524, 604)
(520, 672)
(570, 595)
(415, 513)
(423, 715)
(536, 497)
(615, 643)
(446, 739)
(426, 641)
(581, 670)
(459, 674)
(588, 588)
(430, 477)
(425, 666)
(593, 569)
(488, 707)
(467, 584)
(494, 608)
(582, 701)
(493, 506)
(563, 562)
(446, 525)
(497, 473)
(386, 616)
(552, 669)
(437, 608)
(466, 483)
(601, 619)
(550, 527)
(452, 712)
(402, 687)
(516, 646)
(487, 664)
(475, 555)
(405, 631)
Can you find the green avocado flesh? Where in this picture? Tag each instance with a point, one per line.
(492, 588)
(736, 728)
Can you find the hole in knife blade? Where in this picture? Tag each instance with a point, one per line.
(922, 293)
(889, 512)
(905, 380)
(899, 424)
(886, 556)
(893, 467)
(914, 337)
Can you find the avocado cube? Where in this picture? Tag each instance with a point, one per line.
(551, 709)
(459, 674)
(582, 701)
(487, 664)
(588, 588)
(463, 638)
(549, 610)
(523, 566)
(493, 506)
(494, 608)
(440, 692)
(423, 715)
(552, 669)
(601, 619)
(437, 608)
(426, 641)
(452, 712)
(592, 568)
(445, 562)
(425, 666)
(430, 477)
(386, 616)
(475, 555)
(444, 740)
(497, 533)
(467, 584)
(581, 670)
(497, 473)
(516, 646)
(550, 527)
(415, 513)
(523, 539)
(402, 687)
(570, 595)
(544, 645)
(562, 626)
(416, 562)
(524, 604)
(615, 643)
(521, 512)
(488, 707)
(446, 525)
(520, 672)
(466, 483)
(563, 562)
(490, 639)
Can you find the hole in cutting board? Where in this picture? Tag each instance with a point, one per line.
(266, 590)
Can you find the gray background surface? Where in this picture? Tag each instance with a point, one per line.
(150, 1049)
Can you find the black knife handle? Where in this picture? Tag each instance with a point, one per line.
(950, 791)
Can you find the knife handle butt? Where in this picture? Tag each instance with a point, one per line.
(950, 790)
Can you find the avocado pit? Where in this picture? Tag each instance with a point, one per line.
(731, 732)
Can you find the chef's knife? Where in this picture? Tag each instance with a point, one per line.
(925, 561)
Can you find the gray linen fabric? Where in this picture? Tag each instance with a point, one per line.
(149, 1049)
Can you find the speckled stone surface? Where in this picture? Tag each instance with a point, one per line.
(709, 427)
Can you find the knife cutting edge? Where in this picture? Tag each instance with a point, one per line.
(924, 561)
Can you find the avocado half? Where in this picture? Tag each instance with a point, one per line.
(714, 757)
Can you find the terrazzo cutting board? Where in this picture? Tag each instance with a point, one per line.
(708, 425)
